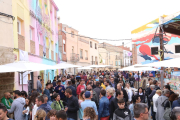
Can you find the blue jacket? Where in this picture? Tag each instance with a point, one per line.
(103, 107)
(46, 108)
(46, 92)
(176, 103)
(60, 91)
(73, 90)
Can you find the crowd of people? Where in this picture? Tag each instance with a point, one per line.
(103, 95)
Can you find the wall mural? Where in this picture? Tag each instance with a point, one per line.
(144, 54)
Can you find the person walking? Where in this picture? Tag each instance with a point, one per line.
(60, 89)
(88, 102)
(39, 85)
(122, 112)
(6, 100)
(47, 92)
(141, 111)
(160, 104)
(17, 106)
(58, 103)
(3, 112)
(72, 105)
(119, 87)
(42, 104)
(80, 87)
(103, 112)
(114, 103)
(154, 99)
(141, 94)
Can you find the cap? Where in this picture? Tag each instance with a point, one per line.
(87, 94)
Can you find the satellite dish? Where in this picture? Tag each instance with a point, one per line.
(129, 53)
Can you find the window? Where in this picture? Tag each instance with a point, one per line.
(116, 63)
(30, 33)
(39, 38)
(96, 61)
(154, 50)
(81, 53)
(90, 44)
(86, 55)
(72, 33)
(56, 47)
(19, 27)
(177, 48)
(64, 46)
(72, 49)
(95, 46)
(52, 45)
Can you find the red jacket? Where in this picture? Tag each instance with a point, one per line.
(80, 88)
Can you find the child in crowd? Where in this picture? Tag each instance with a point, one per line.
(122, 113)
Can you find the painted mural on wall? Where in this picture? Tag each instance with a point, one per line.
(146, 42)
(174, 81)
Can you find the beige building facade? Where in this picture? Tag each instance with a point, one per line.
(94, 52)
(110, 55)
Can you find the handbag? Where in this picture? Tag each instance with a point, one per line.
(105, 118)
(167, 112)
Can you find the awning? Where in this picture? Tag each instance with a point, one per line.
(172, 24)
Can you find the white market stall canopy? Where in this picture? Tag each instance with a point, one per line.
(4, 68)
(133, 68)
(166, 63)
(84, 68)
(28, 66)
(65, 65)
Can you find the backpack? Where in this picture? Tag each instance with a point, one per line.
(167, 112)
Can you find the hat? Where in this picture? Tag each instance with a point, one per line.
(87, 94)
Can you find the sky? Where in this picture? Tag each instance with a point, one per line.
(112, 19)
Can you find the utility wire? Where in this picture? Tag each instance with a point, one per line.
(95, 38)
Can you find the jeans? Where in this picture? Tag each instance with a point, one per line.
(70, 119)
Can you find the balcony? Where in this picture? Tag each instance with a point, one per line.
(74, 57)
(118, 57)
(21, 42)
(94, 62)
(86, 58)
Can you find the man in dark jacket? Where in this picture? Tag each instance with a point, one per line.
(119, 87)
(114, 102)
(69, 85)
(97, 89)
(72, 105)
(155, 82)
(54, 82)
(60, 89)
(42, 104)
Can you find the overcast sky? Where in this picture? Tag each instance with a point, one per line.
(112, 19)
